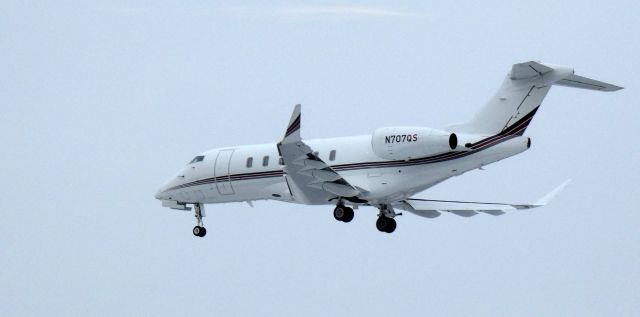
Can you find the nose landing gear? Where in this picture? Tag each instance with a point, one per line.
(199, 230)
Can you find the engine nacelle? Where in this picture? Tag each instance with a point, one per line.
(403, 143)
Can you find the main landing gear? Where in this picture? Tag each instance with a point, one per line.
(343, 213)
(385, 222)
(199, 230)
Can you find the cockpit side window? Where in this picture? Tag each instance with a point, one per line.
(197, 159)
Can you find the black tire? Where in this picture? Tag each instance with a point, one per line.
(392, 226)
(339, 212)
(203, 232)
(385, 224)
(197, 231)
(382, 223)
(348, 214)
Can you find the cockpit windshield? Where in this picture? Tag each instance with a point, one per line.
(197, 159)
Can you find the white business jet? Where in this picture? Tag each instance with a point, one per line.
(384, 169)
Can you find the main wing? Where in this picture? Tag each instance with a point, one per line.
(310, 180)
(430, 208)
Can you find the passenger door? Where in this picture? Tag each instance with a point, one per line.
(222, 172)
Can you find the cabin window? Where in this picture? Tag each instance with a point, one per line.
(197, 159)
(281, 161)
(332, 155)
(249, 161)
(265, 160)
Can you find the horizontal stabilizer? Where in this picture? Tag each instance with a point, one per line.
(516, 102)
(558, 75)
(576, 81)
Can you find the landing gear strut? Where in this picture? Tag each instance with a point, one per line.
(199, 230)
(343, 213)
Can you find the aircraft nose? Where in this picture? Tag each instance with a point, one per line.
(160, 194)
(166, 189)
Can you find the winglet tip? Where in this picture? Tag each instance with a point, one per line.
(548, 197)
(293, 129)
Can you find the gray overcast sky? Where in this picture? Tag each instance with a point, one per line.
(102, 101)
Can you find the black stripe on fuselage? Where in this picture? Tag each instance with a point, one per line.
(234, 177)
(516, 129)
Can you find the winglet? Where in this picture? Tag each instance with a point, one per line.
(548, 197)
(293, 129)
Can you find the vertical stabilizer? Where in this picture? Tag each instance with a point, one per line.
(521, 94)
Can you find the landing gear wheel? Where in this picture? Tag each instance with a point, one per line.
(343, 213)
(338, 212)
(385, 224)
(392, 226)
(348, 216)
(199, 231)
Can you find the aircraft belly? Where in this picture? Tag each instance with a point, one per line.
(392, 184)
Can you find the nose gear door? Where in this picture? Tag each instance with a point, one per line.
(222, 172)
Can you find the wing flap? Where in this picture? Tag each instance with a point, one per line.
(463, 213)
(494, 212)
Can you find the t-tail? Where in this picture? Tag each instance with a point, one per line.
(512, 107)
